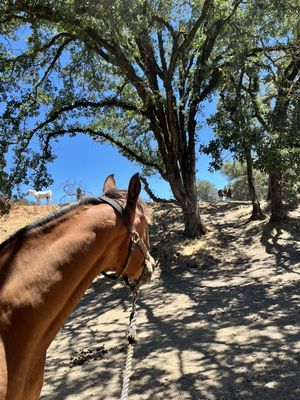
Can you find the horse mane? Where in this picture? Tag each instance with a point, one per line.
(119, 196)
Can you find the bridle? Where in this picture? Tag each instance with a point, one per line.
(135, 240)
(148, 268)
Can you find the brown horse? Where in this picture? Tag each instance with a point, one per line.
(225, 193)
(46, 267)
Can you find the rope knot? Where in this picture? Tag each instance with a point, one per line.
(131, 333)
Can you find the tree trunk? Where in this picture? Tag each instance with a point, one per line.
(186, 197)
(193, 225)
(257, 213)
(278, 212)
(269, 190)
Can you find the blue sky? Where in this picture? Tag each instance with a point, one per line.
(81, 160)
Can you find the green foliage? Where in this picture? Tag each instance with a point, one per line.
(257, 117)
(291, 185)
(135, 74)
(130, 73)
(206, 190)
(236, 174)
(5, 190)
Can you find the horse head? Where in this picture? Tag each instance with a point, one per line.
(139, 264)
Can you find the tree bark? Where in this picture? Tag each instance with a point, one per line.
(278, 212)
(186, 197)
(193, 225)
(257, 213)
(269, 190)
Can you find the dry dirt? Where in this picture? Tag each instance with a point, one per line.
(220, 321)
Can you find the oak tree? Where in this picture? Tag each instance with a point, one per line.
(133, 73)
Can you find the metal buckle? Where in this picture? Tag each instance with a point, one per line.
(134, 236)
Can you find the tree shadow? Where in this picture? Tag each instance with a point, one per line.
(82, 332)
(216, 339)
(211, 331)
(228, 366)
(283, 242)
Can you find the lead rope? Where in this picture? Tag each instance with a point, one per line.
(132, 340)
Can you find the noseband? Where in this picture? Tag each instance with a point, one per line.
(135, 240)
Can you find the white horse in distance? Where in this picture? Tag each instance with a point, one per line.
(41, 195)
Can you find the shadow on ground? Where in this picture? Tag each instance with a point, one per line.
(213, 330)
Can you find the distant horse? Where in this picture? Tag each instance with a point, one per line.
(225, 193)
(46, 267)
(41, 195)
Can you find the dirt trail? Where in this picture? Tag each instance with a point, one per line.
(220, 322)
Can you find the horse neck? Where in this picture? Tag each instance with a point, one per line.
(47, 271)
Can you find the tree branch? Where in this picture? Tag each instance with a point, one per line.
(85, 104)
(152, 195)
(257, 112)
(56, 57)
(204, 55)
(212, 84)
(165, 23)
(162, 51)
(119, 60)
(46, 46)
(191, 35)
(279, 47)
(148, 62)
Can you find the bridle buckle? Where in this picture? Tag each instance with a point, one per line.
(134, 236)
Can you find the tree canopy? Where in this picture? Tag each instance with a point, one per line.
(135, 74)
(131, 73)
(257, 116)
(236, 174)
(206, 190)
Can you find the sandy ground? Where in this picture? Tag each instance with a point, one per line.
(221, 321)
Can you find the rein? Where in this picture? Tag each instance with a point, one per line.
(132, 340)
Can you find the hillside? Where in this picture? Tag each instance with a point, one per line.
(220, 321)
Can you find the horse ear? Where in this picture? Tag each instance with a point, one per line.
(109, 183)
(134, 189)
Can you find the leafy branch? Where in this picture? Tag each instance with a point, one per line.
(55, 114)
